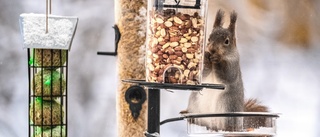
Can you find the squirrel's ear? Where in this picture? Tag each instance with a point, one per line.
(233, 20)
(219, 17)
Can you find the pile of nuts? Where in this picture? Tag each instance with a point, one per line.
(175, 40)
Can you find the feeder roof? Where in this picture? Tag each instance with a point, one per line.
(60, 33)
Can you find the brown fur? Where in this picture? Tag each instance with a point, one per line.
(221, 62)
(253, 105)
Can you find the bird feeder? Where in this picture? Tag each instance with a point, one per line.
(48, 39)
(174, 60)
(175, 41)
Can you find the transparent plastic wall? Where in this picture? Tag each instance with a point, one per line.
(175, 41)
(258, 124)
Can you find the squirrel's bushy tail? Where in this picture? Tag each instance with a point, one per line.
(253, 105)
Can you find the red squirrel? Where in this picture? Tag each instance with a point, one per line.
(221, 66)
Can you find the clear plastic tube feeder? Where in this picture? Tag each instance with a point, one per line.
(175, 41)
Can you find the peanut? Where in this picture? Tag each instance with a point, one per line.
(175, 40)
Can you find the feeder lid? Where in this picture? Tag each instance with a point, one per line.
(61, 30)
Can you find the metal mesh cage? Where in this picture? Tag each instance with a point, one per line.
(48, 76)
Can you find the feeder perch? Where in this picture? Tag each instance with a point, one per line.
(48, 40)
(265, 126)
(117, 39)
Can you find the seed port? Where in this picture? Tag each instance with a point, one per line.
(135, 97)
(172, 74)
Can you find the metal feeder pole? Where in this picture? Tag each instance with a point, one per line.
(153, 112)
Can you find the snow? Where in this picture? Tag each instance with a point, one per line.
(60, 31)
(196, 130)
(285, 79)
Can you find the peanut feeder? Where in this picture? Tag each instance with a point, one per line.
(175, 41)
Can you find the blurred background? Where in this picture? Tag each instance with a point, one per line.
(278, 43)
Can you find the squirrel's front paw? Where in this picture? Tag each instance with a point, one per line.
(211, 58)
(207, 56)
(214, 58)
(207, 63)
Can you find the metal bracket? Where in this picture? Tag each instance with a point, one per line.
(135, 97)
(159, 5)
(152, 134)
(117, 39)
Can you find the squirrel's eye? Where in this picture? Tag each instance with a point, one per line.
(226, 42)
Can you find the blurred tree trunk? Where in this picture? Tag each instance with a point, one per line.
(130, 18)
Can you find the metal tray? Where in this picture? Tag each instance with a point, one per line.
(266, 126)
(174, 86)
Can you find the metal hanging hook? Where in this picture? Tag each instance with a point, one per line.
(117, 39)
(48, 11)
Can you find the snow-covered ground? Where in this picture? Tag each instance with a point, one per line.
(284, 78)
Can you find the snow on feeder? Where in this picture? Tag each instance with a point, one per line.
(175, 41)
(48, 39)
(56, 32)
